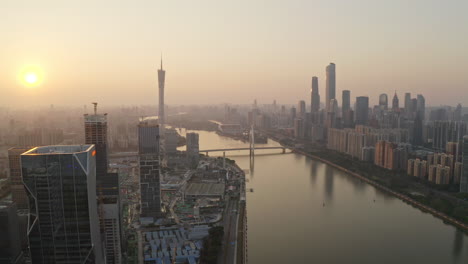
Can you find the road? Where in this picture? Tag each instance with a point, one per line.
(230, 232)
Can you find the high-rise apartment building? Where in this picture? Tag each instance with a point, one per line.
(315, 96)
(61, 186)
(330, 86)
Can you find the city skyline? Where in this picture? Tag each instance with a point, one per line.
(388, 55)
(282, 132)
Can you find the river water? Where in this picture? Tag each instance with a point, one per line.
(304, 211)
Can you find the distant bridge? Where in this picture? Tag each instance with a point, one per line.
(235, 149)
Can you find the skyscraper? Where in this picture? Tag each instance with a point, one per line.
(150, 186)
(61, 186)
(96, 133)
(315, 96)
(109, 214)
(330, 88)
(193, 149)
(383, 101)
(407, 104)
(149, 151)
(148, 136)
(362, 110)
(464, 176)
(10, 242)
(395, 103)
(301, 107)
(421, 107)
(346, 101)
(18, 192)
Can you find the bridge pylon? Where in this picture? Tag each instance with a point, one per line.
(252, 141)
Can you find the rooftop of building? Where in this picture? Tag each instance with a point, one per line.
(205, 189)
(149, 119)
(70, 149)
(95, 118)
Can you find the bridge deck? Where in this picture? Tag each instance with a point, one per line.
(234, 149)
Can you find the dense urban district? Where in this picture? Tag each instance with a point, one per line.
(126, 185)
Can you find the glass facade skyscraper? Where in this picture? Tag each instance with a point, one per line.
(61, 186)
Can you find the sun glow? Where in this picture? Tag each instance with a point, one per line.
(31, 76)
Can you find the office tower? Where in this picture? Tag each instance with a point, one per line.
(395, 103)
(61, 187)
(421, 107)
(348, 119)
(109, 208)
(407, 104)
(457, 114)
(315, 96)
(464, 174)
(299, 128)
(171, 141)
(292, 116)
(346, 102)
(109, 215)
(417, 131)
(330, 87)
(10, 242)
(301, 107)
(18, 192)
(193, 149)
(148, 136)
(362, 110)
(383, 101)
(334, 106)
(149, 151)
(150, 188)
(96, 133)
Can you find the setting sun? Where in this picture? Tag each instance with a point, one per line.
(31, 76)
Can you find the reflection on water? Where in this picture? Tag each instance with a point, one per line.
(287, 222)
(329, 183)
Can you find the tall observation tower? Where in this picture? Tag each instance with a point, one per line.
(161, 79)
(162, 119)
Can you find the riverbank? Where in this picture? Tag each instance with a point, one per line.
(403, 197)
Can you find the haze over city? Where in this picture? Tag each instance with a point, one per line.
(231, 52)
(215, 132)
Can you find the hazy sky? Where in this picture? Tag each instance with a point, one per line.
(232, 51)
